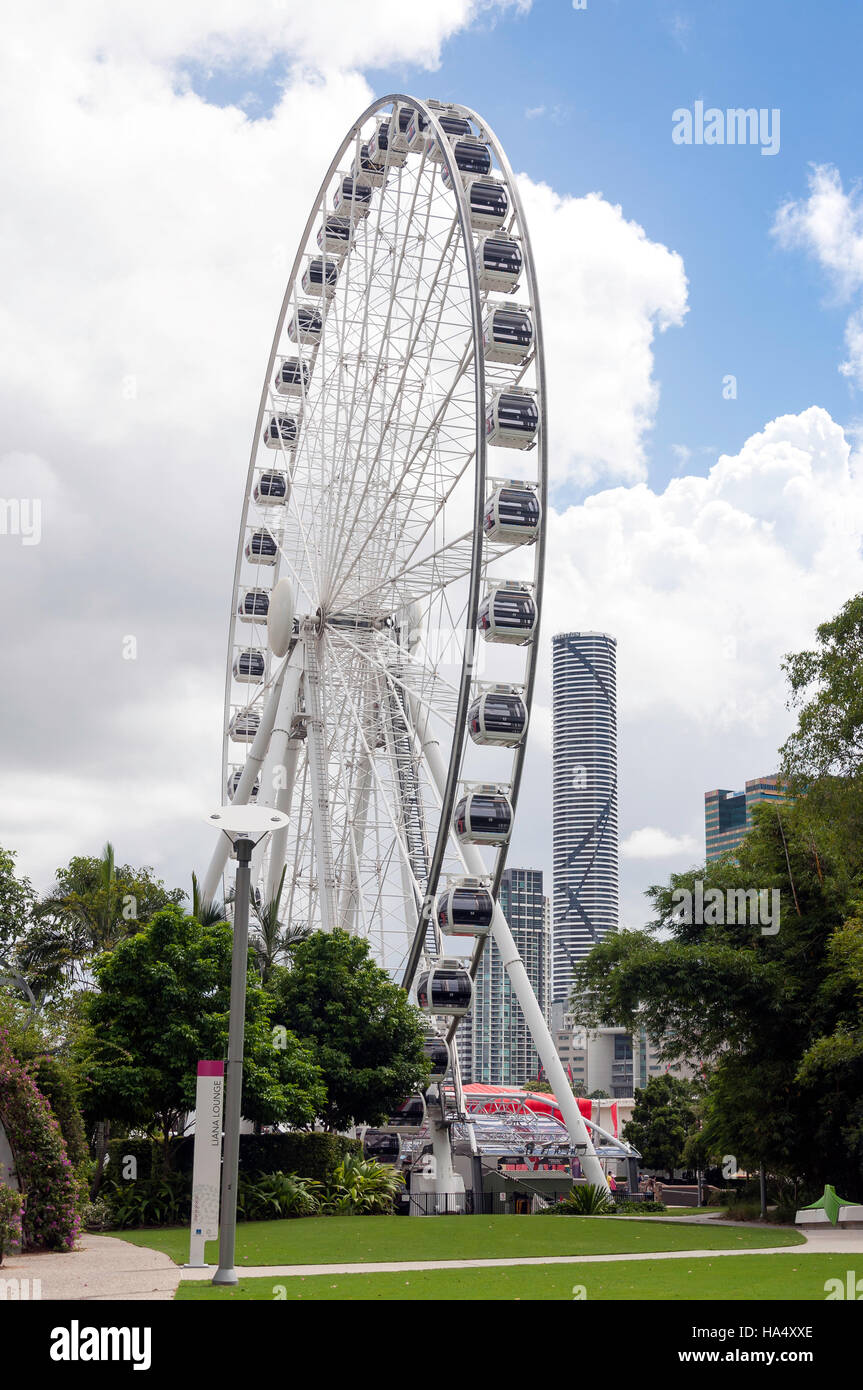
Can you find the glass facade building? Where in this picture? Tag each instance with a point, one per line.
(494, 1043)
(728, 814)
(584, 807)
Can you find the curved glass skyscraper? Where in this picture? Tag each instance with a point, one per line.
(584, 812)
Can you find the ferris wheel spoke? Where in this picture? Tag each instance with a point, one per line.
(397, 830)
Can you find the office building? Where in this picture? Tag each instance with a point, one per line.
(584, 804)
(728, 814)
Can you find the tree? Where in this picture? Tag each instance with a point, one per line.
(541, 1087)
(366, 1036)
(662, 1118)
(92, 905)
(776, 1006)
(826, 686)
(271, 940)
(163, 1005)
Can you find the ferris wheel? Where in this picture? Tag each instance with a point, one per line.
(388, 582)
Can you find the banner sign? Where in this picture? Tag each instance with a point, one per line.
(207, 1164)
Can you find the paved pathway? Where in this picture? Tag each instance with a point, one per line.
(101, 1269)
(106, 1268)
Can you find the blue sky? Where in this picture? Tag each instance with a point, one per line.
(601, 85)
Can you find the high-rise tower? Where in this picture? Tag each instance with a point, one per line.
(584, 811)
(502, 1049)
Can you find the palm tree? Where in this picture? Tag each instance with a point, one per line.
(271, 939)
(204, 910)
(71, 927)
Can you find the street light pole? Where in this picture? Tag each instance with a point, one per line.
(226, 1273)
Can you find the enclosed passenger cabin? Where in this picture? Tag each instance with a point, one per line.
(466, 909)
(483, 817)
(507, 334)
(418, 134)
(282, 432)
(512, 419)
(512, 514)
(364, 171)
(446, 990)
(499, 717)
(336, 235)
(381, 1146)
(234, 781)
(352, 198)
(488, 201)
(508, 614)
(254, 606)
(498, 262)
(436, 1050)
(261, 548)
(408, 1118)
(292, 377)
(455, 127)
(271, 489)
(380, 152)
(472, 159)
(403, 116)
(306, 324)
(248, 665)
(320, 277)
(244, 725)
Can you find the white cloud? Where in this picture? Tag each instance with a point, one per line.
(650, 842)
(606, 290)
(330, 35)
(829, 226)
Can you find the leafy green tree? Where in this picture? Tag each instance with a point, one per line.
(162, 1005)
(775, 1007)
(539, 1087)
(92, 905)
(826, 687)
(365, 1035)
(662, 1118)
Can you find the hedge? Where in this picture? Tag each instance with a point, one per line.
(312, 1154)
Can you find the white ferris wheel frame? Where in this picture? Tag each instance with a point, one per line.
(281, 730)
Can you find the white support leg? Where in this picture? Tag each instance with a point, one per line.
(350, 900)
(520, 980)
(275, 760)
(254, 761)
(318, 773)
(284, 800)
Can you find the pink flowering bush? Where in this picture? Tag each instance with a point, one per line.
(50, 1219)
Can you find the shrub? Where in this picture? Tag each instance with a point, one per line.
(362, 1187)
(142, 1150)
(10, 1220)
(97, 1215)
(636, 1207)
(51, 1191)
(275, 1195)
(584, 1200)
(164, 1201)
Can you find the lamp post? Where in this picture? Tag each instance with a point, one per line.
(245, 826)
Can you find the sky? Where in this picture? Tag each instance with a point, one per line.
(703, 308)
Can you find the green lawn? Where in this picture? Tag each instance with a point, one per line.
(741, 1278)
(369, 1239)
